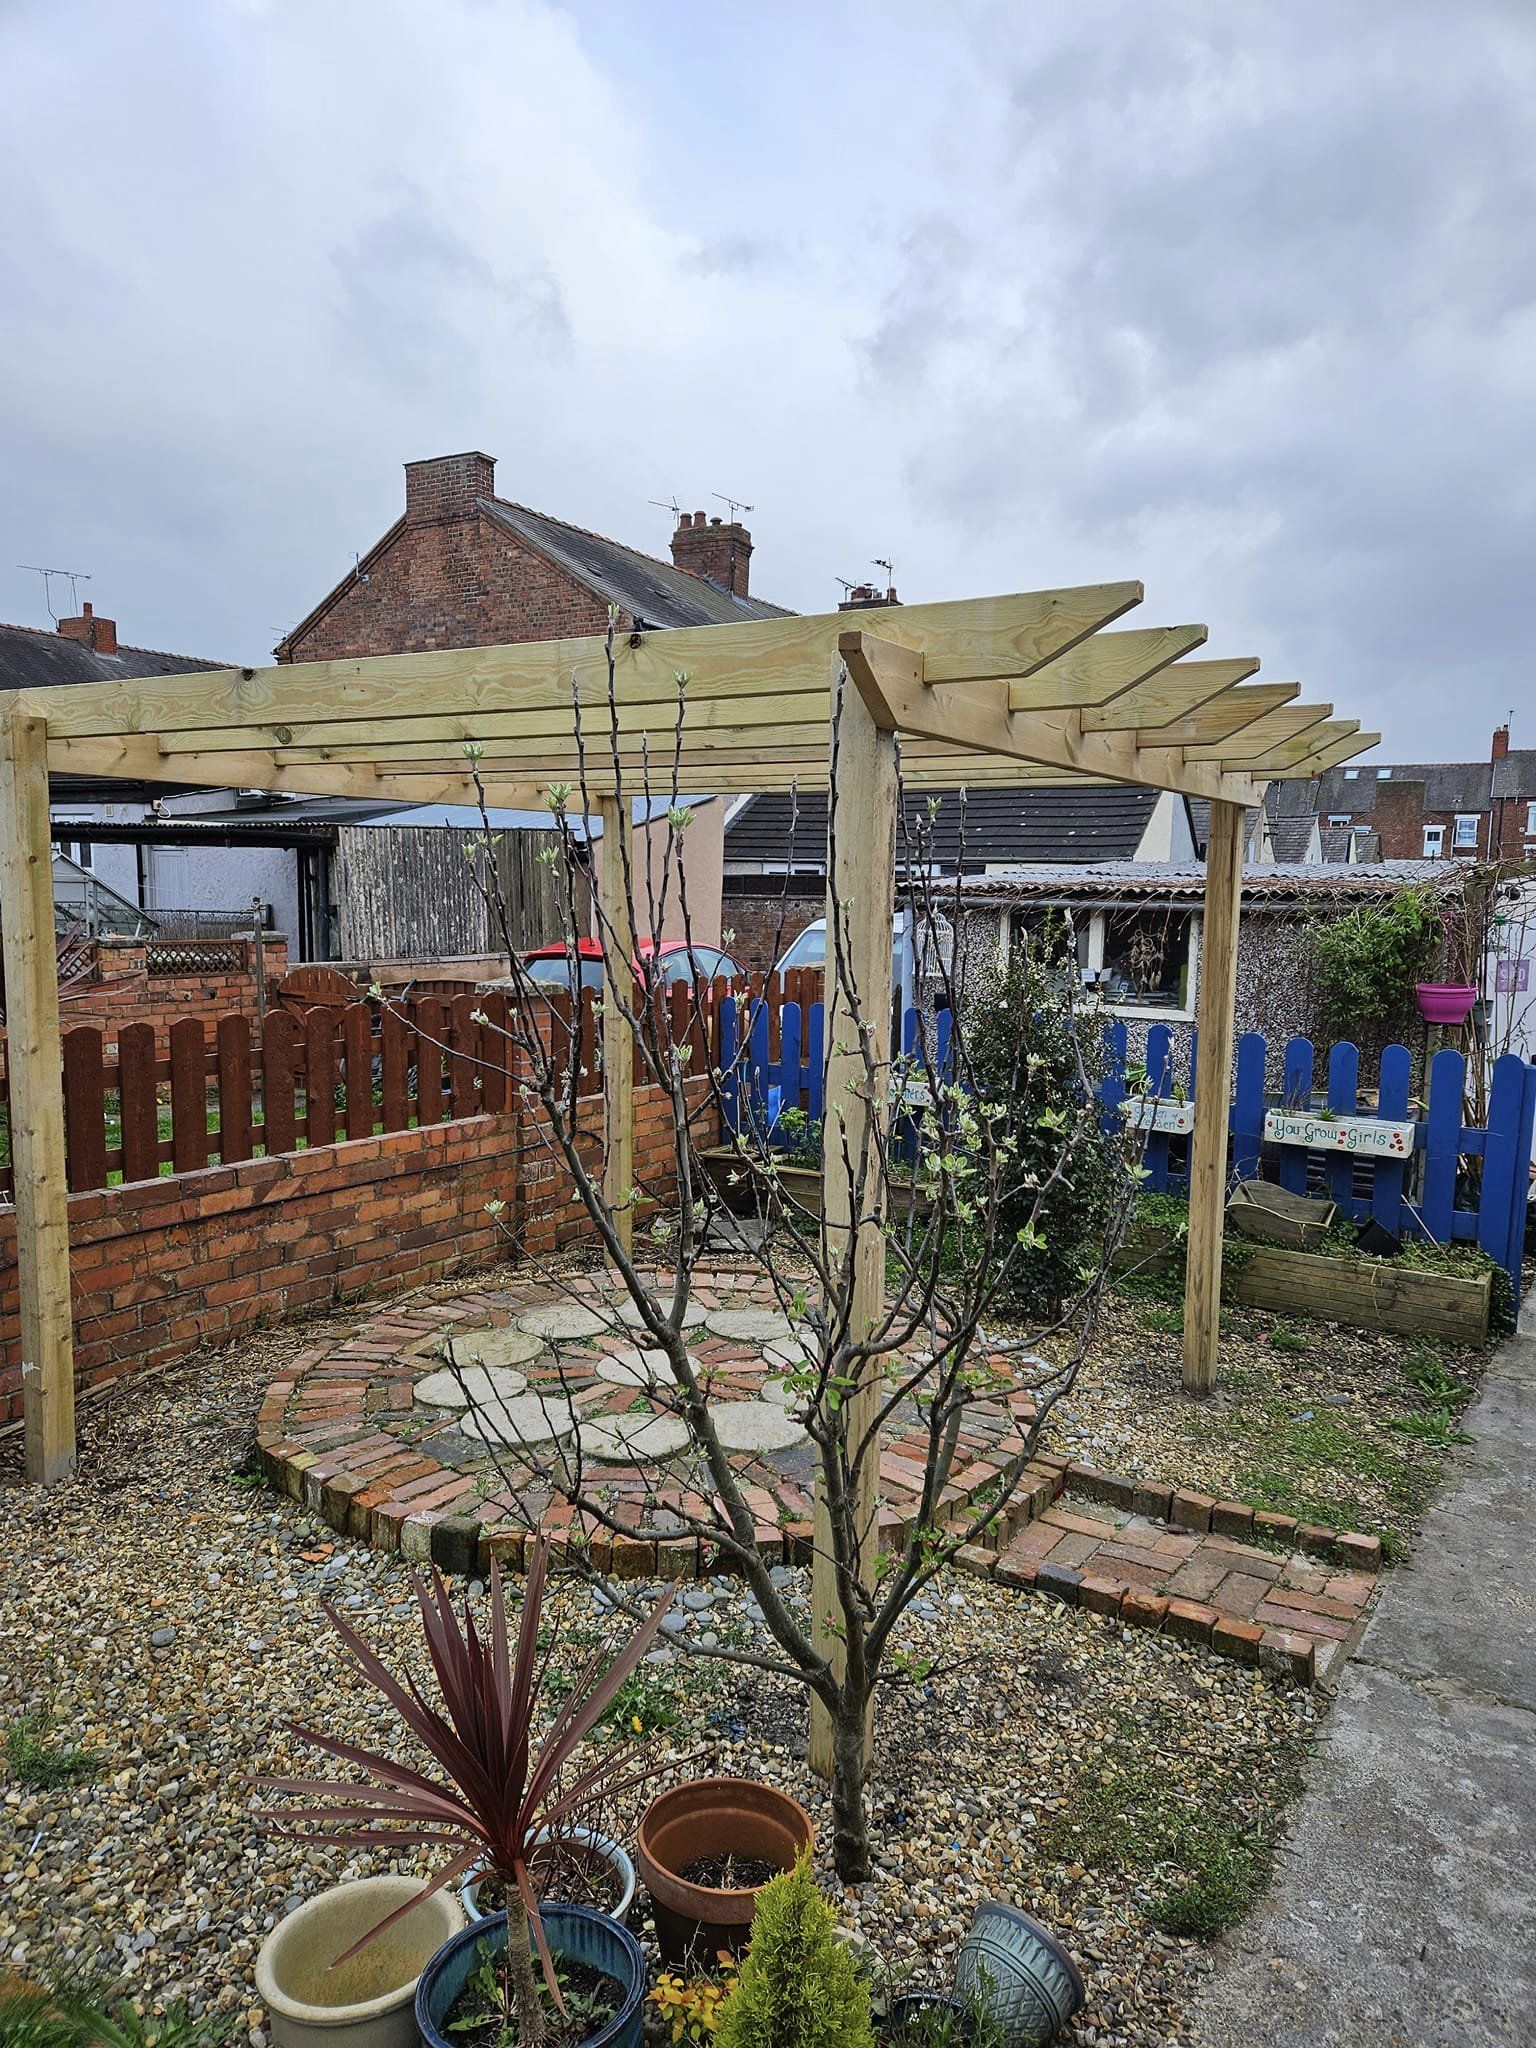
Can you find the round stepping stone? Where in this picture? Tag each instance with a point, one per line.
(494, 1347)
(790, 1352)
(629, 1315)
(748, 1325)
(641, 1369)
(526, 1419)
(561, 1321)
(628, 1439)
(756, 1426)
(780, 1392)
(469, 1386)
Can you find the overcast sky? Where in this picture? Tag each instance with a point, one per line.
(1238, 298)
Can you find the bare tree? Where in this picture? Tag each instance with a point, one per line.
(981, 1161)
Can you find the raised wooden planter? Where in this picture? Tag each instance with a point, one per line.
(1369, 1294)
(745, 1190)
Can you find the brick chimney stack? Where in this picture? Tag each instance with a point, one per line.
(446, 486)
(1500, 743)
(720, 549)
(864, 597)
(100, 635)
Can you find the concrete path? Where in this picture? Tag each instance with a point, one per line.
(1405, 1907)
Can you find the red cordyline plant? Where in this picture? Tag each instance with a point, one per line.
(503, 1785)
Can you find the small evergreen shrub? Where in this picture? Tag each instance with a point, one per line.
(1369, 960)
(799, 1986)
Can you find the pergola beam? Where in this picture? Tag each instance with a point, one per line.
(1175, 693)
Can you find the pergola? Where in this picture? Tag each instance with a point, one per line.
(1006, 691)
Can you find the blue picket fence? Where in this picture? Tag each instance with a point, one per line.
(1428, 1193)
(781, 1065)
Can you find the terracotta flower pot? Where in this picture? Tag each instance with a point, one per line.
(708, 1818)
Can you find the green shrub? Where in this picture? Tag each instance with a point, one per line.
(1029, 1052)
(1369, 959)
(799, 1987)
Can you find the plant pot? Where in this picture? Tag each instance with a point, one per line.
(903, 2017)
(1445, 1002)
(574, 1933)
(713, 1817)
(369, 2001)
(1018, 1974)
(604, 1846)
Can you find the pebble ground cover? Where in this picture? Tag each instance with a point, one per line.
(160, 1621)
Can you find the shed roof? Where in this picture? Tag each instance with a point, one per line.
(1270, 884)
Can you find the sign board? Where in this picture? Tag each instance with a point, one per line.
(1512, 977)
(1149, 1113)
(1373, 1137)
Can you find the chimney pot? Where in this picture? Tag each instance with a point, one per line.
(698, 518)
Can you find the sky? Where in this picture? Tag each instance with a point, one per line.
(1238, 299)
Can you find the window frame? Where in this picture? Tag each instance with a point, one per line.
(1435, 833)
(1464, 845)
(1152, 1013)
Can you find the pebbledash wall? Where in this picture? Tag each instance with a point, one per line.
(162, 1266)
(128, 993)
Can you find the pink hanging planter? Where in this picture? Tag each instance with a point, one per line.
(1445, 1002)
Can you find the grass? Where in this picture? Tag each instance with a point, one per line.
(1203, 1862)
(35, 1760)
(36, 2015)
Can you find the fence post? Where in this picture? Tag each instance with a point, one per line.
(1394, 1085)
(1248, 1105)
(1208, 1149)
(1502, 1165)
(1343, 1100)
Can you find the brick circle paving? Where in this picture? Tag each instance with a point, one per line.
(344, 1429)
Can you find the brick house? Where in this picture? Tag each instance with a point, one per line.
(462, 567)
(1434, 810)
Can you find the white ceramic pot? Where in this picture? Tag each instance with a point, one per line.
(369, 2002)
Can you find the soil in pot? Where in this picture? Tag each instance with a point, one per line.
(572, 1872)
(593, 2000)
(730, 1873)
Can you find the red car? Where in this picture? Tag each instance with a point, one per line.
(678, 961)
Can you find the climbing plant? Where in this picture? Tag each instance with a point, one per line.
(1368, 959)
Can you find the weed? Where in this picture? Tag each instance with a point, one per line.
(1160, 1321)
(1283, 1338)
(41, 1764)
(1429, 1426)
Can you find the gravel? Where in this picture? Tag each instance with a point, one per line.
(165, 1612)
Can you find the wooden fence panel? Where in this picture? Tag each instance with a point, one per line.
(395, 1038)
(85, 1103)
(136, 1093)
(464, 1061)
(189, 1095)
(495, 1054)
(1296, 1092)
(1343, 1100)
(1390, 1179)
(429, 1017)
(357, 1069)
(320, 1077)
(233, 1039)
(279, 1080)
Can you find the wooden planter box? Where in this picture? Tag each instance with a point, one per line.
(1368, 1294)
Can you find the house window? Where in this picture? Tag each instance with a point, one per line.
(1465, 840)
(1340, 818)
(1434, 841)
(1146, 960)
(1530, 821)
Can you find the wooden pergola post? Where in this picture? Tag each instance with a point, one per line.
(35, 1059)
(617, 927)
(1213, 1089)
(861, 891)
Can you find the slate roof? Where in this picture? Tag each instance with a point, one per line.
(1449, 786)
(653, 592)
(31, 659)
(1000, 827)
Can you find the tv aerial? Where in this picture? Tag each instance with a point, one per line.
(735, 504)
(76, 576)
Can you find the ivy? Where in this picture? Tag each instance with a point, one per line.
(1368, 959)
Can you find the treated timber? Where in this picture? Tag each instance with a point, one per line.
(1174, 693)
(1208, 1147)
(1306, 746)
(861, 865)
(616, 930)
(1232, 712)
(1371, 1295)
(35, 1057)
(1257, 741)
(1344, 749)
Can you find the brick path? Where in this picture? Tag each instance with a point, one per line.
(1292, 1610)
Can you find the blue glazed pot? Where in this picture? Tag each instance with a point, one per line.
(1019, 1975)
(575, 1934)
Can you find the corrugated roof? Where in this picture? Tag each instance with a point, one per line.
(31, 658)
(1184, 881)
(653, 592)
(1084, 822)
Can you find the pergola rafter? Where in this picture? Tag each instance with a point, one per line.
(995, 692)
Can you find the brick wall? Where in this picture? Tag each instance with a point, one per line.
(128, 994)
(162, 1266)
(764, 919)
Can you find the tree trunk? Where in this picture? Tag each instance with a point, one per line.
(526, 2006)
(850, 1769)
